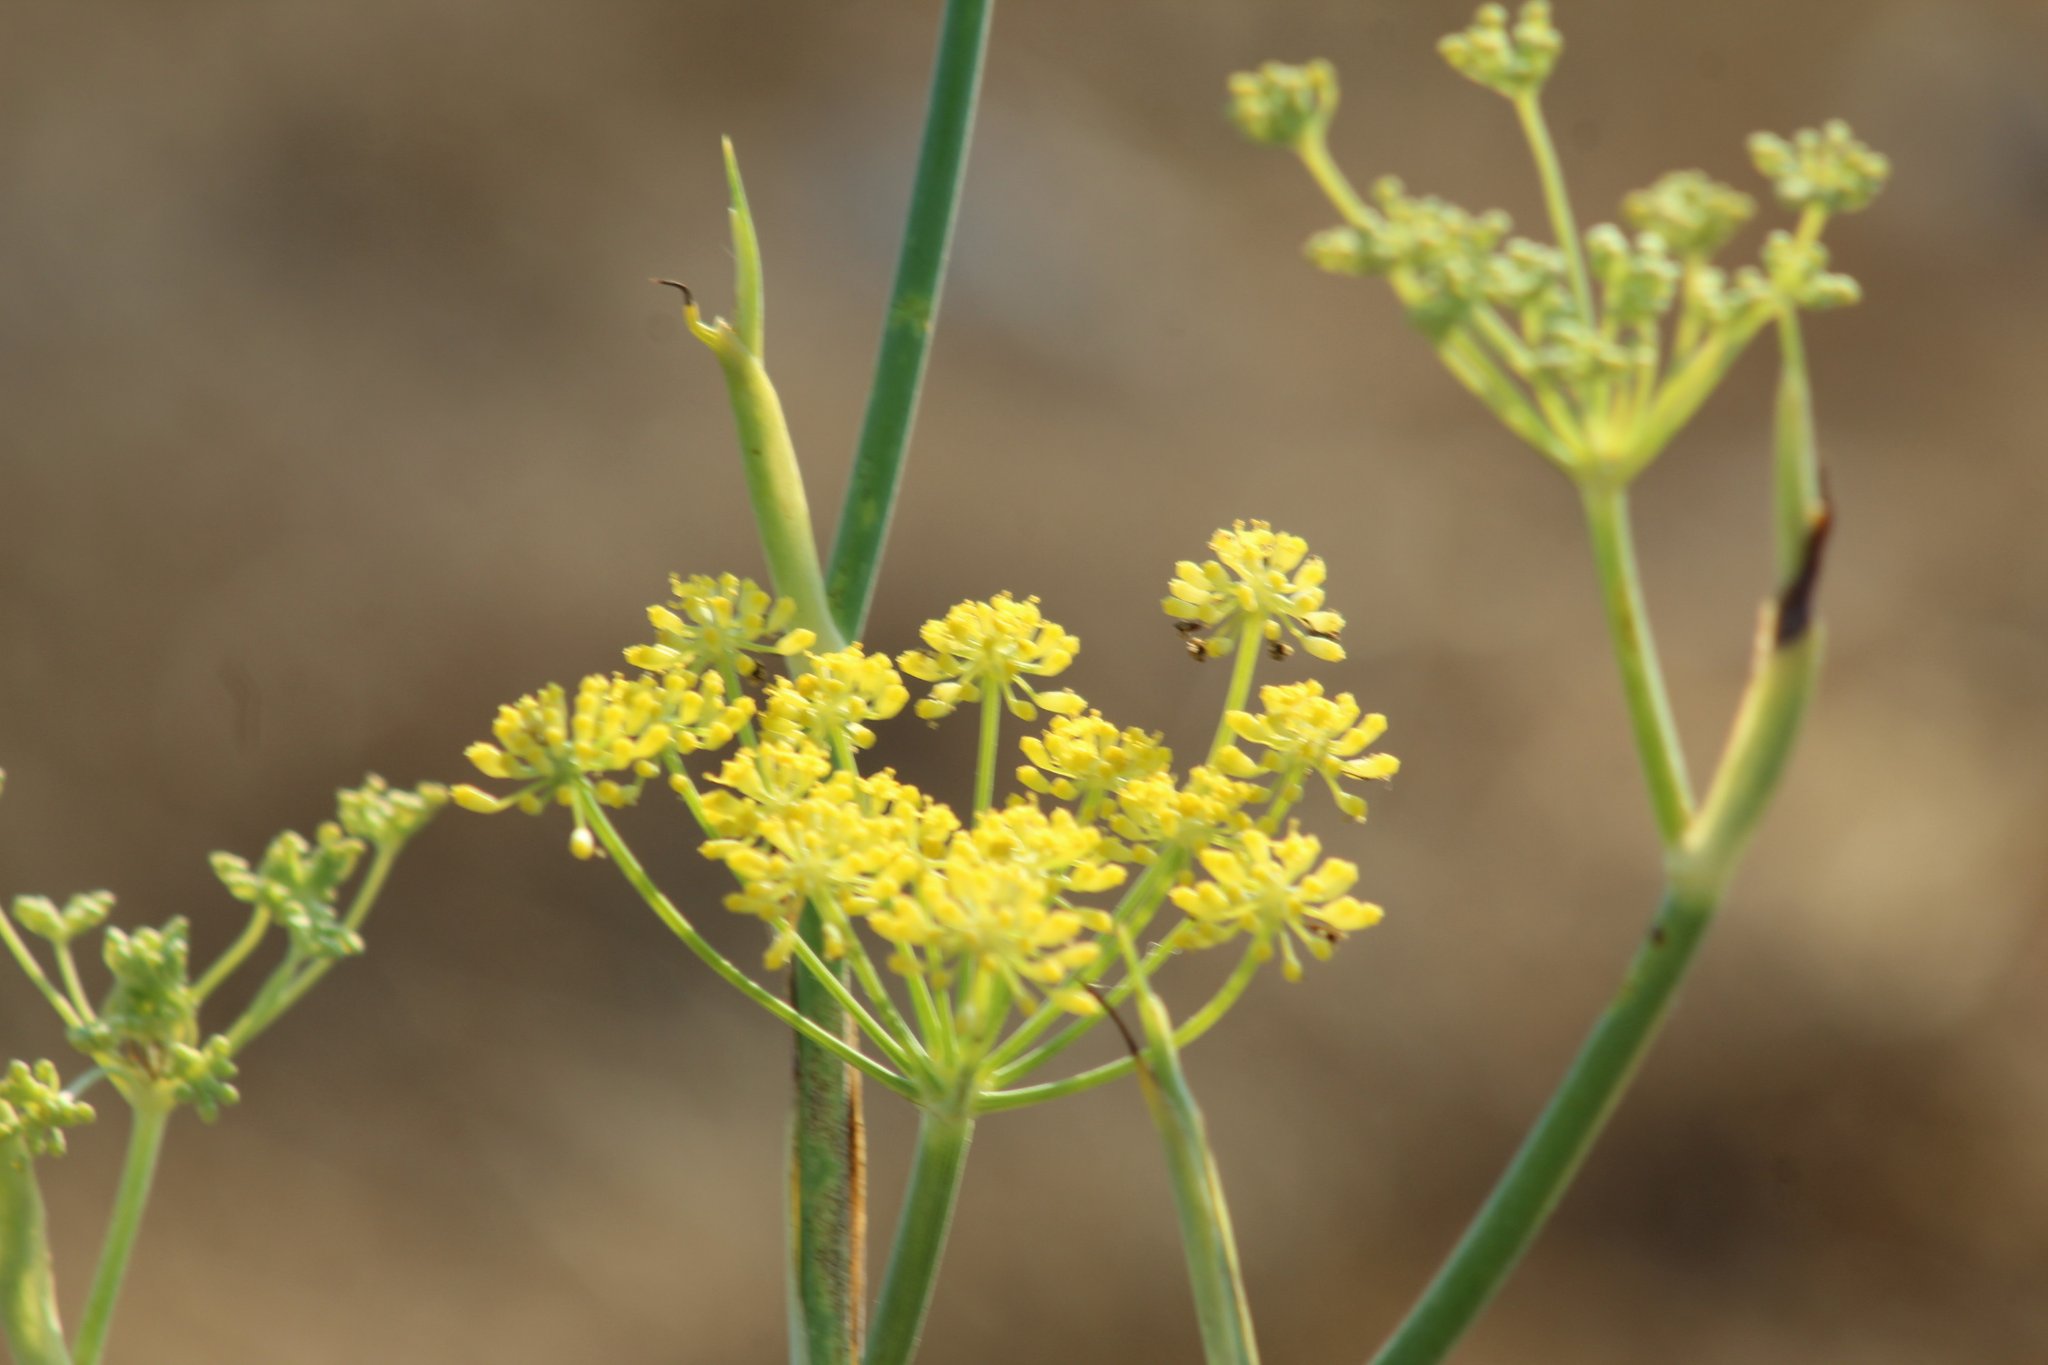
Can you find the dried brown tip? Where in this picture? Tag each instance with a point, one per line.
(1796, 602)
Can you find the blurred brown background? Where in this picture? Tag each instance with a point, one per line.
(337, 409)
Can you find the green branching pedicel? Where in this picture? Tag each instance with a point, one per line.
(1596, 349)
(144, 1036)
(970, 948)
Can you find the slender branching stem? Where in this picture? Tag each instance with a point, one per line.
(237, 953)
(894, 1048)
(1314, 151)
(33, 970)
(1529, 110)
(150, 1115)
(665, 910)
(1196, 1024)
(1635, 649)
(1699, 865)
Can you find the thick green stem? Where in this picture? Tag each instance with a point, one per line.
(151, 1115)
(28, 1287)
(1554, 1149)
(1529, 109)
(913, 312)
(1642, 677)
(828, 1177)
(942, 1139)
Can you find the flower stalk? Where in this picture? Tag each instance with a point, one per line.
(943, 1134)
(1566, 343)
(1222, 1310)
(150, 1116)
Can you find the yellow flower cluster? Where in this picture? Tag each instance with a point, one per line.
(993, 647)
(1156, 811)
(718, 625)
(823, 848)
(835, 696)
(1261, 579)
(996, 903)
(1011, 908)
(614, 725)
(1304, 732)
(1085, 758)
(1274, 890)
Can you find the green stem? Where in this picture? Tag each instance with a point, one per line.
(1690, 382)
(236, 954)
(913, 312)
(1797, 467)
(1197, 1024)
(665, 910)
(828, 1177)
(1759, 747)
(1529, 109)
(991, 742)
(1008, 1065)
(1470, 365)
(1249, 641)
(1314, 151)
(830, 976)
(1642, 677)
(1217, 1280)
(28, 1287)
(151, 1115)
(288, 985)
(67, 968)
(33, 970)
(1554, 1149)
(942, 1139)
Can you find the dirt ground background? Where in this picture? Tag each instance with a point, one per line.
(337, 409)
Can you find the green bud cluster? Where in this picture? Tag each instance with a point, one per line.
(81, 914)
(1824, 168)
(1436, 253)
(1694, 213)
(1281, 105)
(297, 881)
(145, 1031)
(35, 1111)
(1798, 271)
(1599, 348)
(200, 1076)
(1512, 61)
(1638, 279)
(151, 1005)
